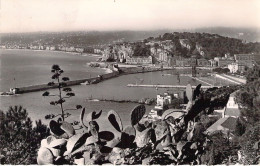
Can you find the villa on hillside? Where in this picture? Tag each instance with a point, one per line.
(232, 108)
(229, 116)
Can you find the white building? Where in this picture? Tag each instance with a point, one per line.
(232, 108)
(233, 67)
(163, 100)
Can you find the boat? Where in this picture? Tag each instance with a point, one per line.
(7, 94)
(85, 83)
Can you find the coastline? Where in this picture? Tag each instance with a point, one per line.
(73, 53)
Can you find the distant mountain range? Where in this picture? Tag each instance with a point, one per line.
(92, 38)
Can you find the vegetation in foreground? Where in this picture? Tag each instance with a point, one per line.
(172, 140)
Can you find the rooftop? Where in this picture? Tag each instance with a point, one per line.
(232, 112)
(227, 123)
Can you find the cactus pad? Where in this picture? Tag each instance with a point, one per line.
(115, 120)
(189, 92)
(137, 114)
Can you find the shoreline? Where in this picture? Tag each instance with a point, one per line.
(73, 53)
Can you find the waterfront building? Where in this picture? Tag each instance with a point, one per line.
(79, 49)
(186, 62)
(203, 62)
(248, 60)
(70, 49)
(236, 67)
(223, 62)
(232, 108)
(140, 60)
(163, 100)
(182, 62)
(97, 51)
(213, 63)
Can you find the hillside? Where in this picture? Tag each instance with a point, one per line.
(207, 45)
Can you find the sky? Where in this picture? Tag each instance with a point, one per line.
(88, 15)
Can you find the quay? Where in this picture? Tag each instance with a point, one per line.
(167, 86)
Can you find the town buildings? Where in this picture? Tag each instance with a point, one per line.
(223, 62)
(140, 60)
(163, 100)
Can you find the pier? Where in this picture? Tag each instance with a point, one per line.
(92, 80)
(167, 86)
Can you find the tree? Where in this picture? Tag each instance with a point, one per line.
(248, 97)
(253, 74)
(240, 128)
(142, 50)
(19, 140)
(247, 142)
(62, 88)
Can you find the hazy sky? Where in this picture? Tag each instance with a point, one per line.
(66, 15)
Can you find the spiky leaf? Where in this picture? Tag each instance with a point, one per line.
(115, 120)
(137, 114)
(189, 92)
(106, 135)
(196, 92)
(55, 128)
(68, 128)
(81, 118)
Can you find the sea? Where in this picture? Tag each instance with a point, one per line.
(27, 67)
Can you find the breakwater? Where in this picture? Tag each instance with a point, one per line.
(168, 86)
(92, 80)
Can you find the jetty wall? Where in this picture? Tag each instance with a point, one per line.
(92, 80)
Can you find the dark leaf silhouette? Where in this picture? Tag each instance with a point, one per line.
(115, 120)
(46, 93)
(196, 92)
(65, 79)
(78, 106)
(106, 135)
(51, 83)
(67, 89)
(137, 114)
(56, 128)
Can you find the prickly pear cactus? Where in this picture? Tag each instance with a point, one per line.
(137, 114)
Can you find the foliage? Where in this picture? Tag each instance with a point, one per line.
(240, 127)
(212, 44)
(248, 141)
(170, 140)
(62, 88)
(221, 70)
(141, 50)
(253, 74)
(19, 140)
(248, 98)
